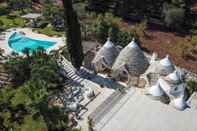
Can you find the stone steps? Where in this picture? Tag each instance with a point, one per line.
(69, 72)
(111, 113)
(106, 106)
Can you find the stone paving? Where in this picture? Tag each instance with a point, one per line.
(140, 113)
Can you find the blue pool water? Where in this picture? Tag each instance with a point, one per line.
(19, 42)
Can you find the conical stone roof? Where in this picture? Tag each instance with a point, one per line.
(180, 103)
(165, 66)
(107, 54)
(156, 90)
(132, 57)
(173, 78)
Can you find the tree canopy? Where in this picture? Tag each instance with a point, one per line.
(25, 106)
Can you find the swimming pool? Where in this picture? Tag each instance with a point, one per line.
(18, 42)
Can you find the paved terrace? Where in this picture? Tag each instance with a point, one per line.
(137, 112)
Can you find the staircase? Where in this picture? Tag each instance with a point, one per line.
(69, 71)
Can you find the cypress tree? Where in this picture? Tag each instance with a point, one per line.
(73, 34)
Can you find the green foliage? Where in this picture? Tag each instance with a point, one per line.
(26, 107)
(73, 35)
(47, 10)
(178, 3)
(174, 17)
(19, 70)
(90, 124)
(55, 117)
(37, 67)
(49, 31)
(32, 124)
(152, 9)
(194, 38)
(55, 14)
(8, 22)
(109, 26)
(20, 97)
(19, 4)
(192, 86)
(101, 28)
(3, 9)
(76, 129)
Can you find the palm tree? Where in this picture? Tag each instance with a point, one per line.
(73, 34)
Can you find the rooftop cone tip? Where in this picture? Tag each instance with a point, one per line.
(108, 43)
(166, 61)
(133, 44)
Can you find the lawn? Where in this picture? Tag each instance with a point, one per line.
(48, 31)
(10, 22)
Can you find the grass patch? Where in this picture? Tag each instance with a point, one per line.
(48, 31)
(8, 22)
(3, 9)
(194, 38)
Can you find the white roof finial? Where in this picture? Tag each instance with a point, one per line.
(133, 44)
(108, 39)
(108, 43)
(166, 61)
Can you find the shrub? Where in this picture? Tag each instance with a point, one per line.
(20, 22)
(123, 38)
(76, 129)
(174, 17)
(101, 28)
(48, 31)
(194, 38)
(8, 22)
(109, 26)
(3, 10)
(90, 124)
(19, 4)
(192, 86)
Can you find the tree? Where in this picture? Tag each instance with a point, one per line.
(19, 4)
(54, 13)
(26, 106)
(73, 34)
(174, 17)
(18, 69)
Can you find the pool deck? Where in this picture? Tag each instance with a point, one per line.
(29, 33)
